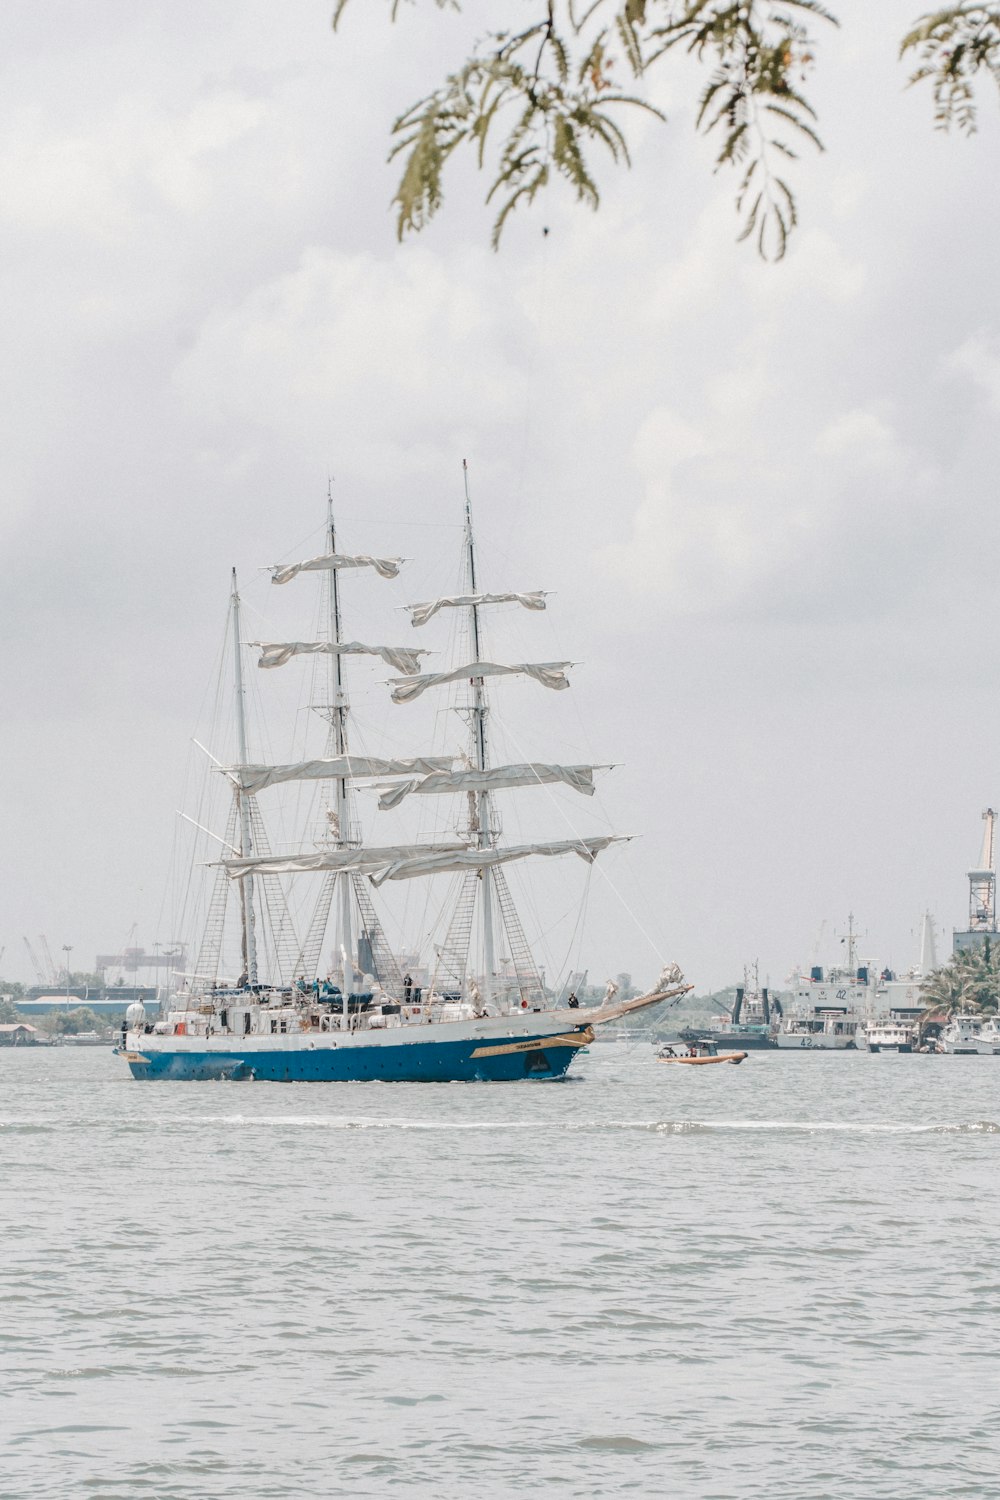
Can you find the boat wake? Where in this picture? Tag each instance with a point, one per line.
(345, 1122)
(594, 1126)
(849, 1127)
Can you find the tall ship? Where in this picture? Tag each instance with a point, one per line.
(481, 1012)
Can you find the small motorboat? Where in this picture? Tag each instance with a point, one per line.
(699, 1053)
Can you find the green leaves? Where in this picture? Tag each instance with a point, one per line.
(752, 106)
(545, 103)
(969, 981)
(953, 45)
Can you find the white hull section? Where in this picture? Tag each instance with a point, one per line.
(814, 1041)
(489, 1029)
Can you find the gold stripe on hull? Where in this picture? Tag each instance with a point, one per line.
(574, 1039)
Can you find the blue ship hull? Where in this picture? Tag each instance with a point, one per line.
(420, 1062)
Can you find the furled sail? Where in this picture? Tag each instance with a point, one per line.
(421, 613)
(343, 860)
(276, 653)
(388, 567)
(256, 778)
(580, 778)
(551, 674)
(428, 862)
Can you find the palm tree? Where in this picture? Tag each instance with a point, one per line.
(968, 984)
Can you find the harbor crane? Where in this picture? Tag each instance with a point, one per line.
(983, 882)
(35, 962)
(52, 977)
(982, 894)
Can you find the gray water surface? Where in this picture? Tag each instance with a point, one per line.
(775, 1280)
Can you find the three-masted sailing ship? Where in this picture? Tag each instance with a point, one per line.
(485, 1013)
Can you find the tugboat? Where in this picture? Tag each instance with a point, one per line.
(753, 1021)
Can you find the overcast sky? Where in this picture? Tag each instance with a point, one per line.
(764, 497)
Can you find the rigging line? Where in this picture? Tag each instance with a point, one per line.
(438, 922)
(263, 617)
(584, 908)
(569, 912)
(316, 531)
(540, 942)
(187, 892)
(604, 875)
(432, 525)
(520, 560)
(576, 936)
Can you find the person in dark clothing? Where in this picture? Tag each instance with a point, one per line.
(573, 1003)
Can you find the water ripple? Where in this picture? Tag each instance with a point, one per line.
(717, 1284)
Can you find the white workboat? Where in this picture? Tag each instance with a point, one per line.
(888, 1035)
(989, 1037)
(960, 1036)
(970, 1036)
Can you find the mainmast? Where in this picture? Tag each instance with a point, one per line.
(339, 722)
(479, 716)
(249, 943)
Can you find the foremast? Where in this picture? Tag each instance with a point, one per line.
(341, 854)
(480, 713)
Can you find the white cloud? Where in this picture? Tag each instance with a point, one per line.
(204, 309)
(330, 350)
(92, 181)
(978, 359)
(729, 524)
